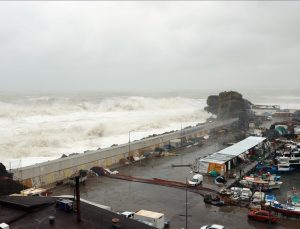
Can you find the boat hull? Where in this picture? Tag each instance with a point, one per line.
(286, 211)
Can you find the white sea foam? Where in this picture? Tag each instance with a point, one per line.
(34, 129)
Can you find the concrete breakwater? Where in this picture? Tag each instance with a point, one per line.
(50, 172)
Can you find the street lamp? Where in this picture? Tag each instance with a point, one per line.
(180, 134)
(129, 134)
(129, 142)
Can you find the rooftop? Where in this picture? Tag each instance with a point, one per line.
(233, 151)
(19, 213)
(150, 214)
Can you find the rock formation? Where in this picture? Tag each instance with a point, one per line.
(7, 185)
(229, 104)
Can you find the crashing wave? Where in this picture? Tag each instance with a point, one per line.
(50, 126)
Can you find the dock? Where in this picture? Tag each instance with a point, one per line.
(245, 170)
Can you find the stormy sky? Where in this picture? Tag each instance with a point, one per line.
(148, 46)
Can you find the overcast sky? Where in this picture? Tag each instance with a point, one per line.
(136, 46)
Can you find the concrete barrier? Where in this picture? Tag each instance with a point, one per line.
(50, 172)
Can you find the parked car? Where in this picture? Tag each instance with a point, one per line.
(262, 215)
(196, 180)
(213, 226)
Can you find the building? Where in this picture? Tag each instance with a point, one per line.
(223, 160)
(25, 212)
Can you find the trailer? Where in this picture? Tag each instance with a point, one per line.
(156, 219)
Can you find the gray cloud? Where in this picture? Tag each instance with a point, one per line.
(69, 46)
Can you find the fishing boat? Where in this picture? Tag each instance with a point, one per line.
(262, 168)
(257, 183)
(258, 197)
(292, 157)
(292, 206)
(270, 177)
(235, 193)
(245, 194)
(270, 199)
(286, 209)
(285, 167)
(225, 192)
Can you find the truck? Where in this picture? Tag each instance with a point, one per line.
(156, 219)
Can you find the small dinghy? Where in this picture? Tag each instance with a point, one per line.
(220, 180)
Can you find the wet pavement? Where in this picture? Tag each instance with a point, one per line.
(124, 195)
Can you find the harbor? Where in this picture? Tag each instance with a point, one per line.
(216, 172)
(149, 115)
(122, 195)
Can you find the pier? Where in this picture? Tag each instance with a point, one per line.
(245, 170)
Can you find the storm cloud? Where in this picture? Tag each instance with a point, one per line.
(136, 46)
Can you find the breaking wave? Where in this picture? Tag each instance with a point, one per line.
(56, 106)
(49, 126)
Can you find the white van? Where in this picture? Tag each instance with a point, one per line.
(128, 214)
(196, 180)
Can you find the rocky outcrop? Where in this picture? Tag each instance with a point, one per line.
(228, 104)
(3, 172)
(7, 185)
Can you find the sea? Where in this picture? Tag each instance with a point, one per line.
(41, 127)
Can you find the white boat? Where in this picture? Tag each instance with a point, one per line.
(253, 182)
(295, 157)
(224, 191)
(284, 167)
(245, 194)
(34, 192)
(235, 193)
(292, 205)
(236, 189)
(258, 197)
(292, 157)
(286, 209)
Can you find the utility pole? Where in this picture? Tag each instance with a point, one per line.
(186, 207)
(129, 143)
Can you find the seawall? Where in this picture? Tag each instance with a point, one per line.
(50, 172)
